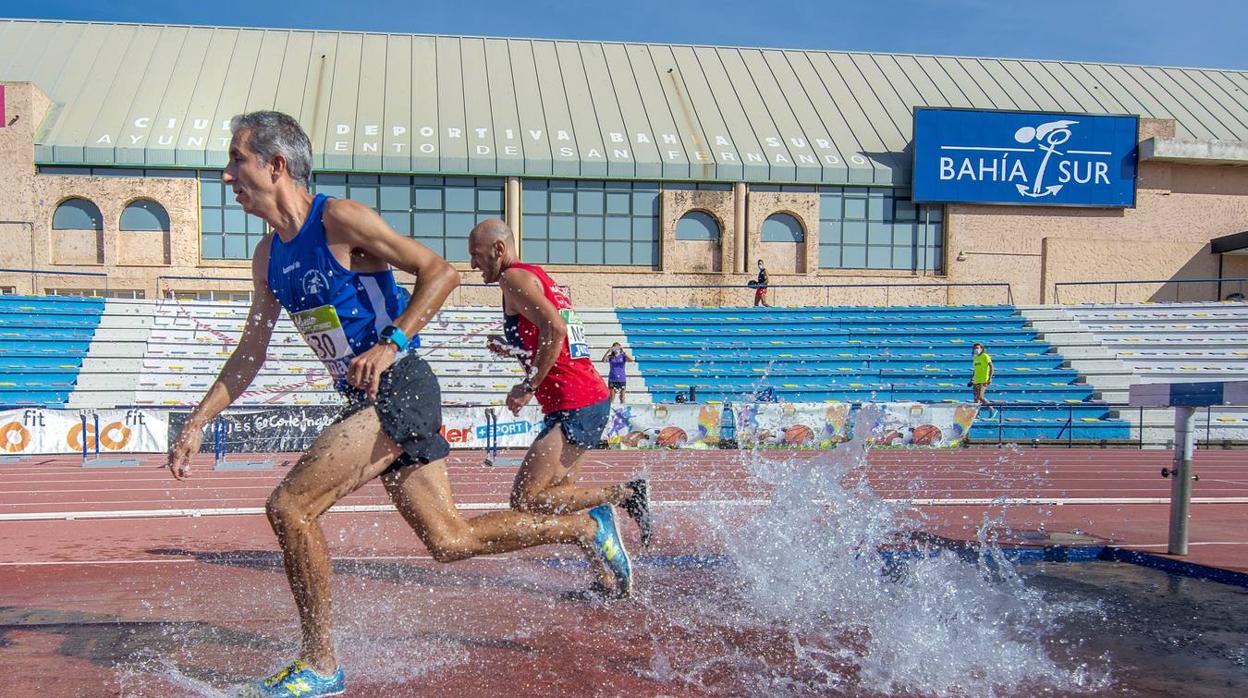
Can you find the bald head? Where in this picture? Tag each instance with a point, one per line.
(491, 231)
(492, 248)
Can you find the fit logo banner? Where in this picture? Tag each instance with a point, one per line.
(37, 431)
(1033, 158)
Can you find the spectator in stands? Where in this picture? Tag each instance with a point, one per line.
(760, 287)
(617, 379)
(981, 373)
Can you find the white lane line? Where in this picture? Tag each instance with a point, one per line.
(489, 506)
(1063, 496)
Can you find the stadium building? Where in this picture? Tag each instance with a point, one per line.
(628, 164)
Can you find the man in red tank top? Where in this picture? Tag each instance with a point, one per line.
(542, 330)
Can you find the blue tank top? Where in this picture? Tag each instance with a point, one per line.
(339, 312)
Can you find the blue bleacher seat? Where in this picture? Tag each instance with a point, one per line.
(43, 340)
(860, 354)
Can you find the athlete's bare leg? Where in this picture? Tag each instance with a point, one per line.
(546, 482)
(341, 460)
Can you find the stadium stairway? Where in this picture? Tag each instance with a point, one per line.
(1118, 345)
(859, 354)
(167, 353)
(43, 343)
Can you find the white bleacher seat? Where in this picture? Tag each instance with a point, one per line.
(182, 346)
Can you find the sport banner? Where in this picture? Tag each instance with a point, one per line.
(269, 430)
(292, 429)
(38, 431)
(785, 425)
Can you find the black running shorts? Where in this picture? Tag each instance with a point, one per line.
(409, 406)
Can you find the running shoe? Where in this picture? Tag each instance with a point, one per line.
(637, 506)
(610, 547)
(298, 680)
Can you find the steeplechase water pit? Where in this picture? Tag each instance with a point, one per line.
(819, 587)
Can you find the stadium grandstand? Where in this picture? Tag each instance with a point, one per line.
(900, 203)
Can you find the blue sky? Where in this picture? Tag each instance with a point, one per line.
(1198, 33)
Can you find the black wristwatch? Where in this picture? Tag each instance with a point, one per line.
(528, 386)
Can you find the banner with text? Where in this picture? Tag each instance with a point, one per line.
(292, 429)
(1035, 158)
(785, 425)
(38, 431)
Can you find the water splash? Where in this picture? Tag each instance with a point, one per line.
(827, 591)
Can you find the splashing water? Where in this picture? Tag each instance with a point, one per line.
(826, 591)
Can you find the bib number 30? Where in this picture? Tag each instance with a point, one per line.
(322, 330)
(578, 345)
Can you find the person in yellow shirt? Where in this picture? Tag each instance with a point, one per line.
(981, 373)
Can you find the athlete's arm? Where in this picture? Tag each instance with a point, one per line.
(522, 292)
(239, 370)
(361, 228)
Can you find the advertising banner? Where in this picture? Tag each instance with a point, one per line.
(38, 431)
(785, 425)
(1035, 158)
(292, 429)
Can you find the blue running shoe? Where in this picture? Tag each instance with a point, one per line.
(298, 680)
(610, 547)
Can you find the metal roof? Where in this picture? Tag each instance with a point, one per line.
(160, 95)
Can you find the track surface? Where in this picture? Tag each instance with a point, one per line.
(102, 568)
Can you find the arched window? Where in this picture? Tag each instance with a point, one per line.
(145, 215)
(781, 227)
(697, 225)
(77, 214)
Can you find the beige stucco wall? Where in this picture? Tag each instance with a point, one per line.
(25, 106)
(783, 257)
(690, 255)
(1179, 208)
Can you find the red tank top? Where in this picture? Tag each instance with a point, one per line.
(573, 381)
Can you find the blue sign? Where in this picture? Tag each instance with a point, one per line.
(504, 429)
(1034, 158)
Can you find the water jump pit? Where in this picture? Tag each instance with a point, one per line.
(822, 587)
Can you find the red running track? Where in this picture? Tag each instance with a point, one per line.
(97, 565)
(1114, 495)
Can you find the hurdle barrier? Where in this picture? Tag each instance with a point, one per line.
(93, 438)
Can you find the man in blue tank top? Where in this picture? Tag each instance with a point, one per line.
(328, 263)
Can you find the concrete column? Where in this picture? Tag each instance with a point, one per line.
(511, 203)
(738, 228)
(511, 210)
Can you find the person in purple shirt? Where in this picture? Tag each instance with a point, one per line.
(617, 379)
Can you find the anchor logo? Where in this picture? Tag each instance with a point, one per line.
(1047, 136)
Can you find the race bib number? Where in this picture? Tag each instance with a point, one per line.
(578, 346)
(322, 330)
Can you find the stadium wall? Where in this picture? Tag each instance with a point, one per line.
(1180, 207)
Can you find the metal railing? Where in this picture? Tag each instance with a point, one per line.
(37, 289)
(165, 287)
(464, 294)
(717, 292)
(1220, 288)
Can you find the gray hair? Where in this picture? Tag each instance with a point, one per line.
(274, 133)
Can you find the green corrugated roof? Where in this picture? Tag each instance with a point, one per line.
(158, 95)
